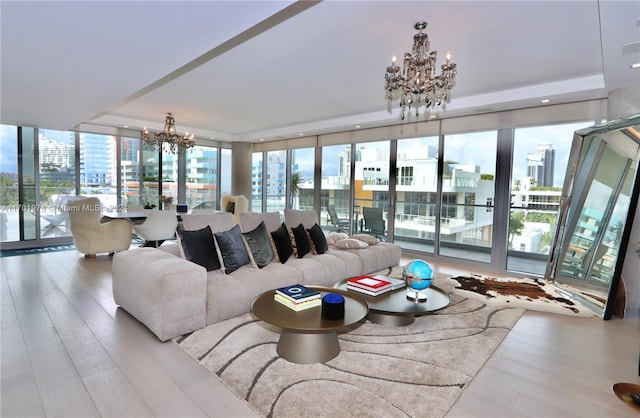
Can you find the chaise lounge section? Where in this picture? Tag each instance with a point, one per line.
(173, 296)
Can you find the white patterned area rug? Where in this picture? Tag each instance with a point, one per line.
(417, 370)
(531, 294)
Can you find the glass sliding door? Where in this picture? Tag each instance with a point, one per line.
(57, 175)
(467, 201)
(256, 181)
(98, 169)
(302, 185)
(539, 163)
(335, 190)
(370, 189)
(275, 183)
(150, 177)
(130, 171)
(416, 187)
(9, 197)
(202, 177)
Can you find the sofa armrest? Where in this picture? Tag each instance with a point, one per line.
(164, 292)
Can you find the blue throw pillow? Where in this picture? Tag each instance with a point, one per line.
(232, 249)
(259, 244)
(198, 247)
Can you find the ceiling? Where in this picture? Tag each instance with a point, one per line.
(251, 70)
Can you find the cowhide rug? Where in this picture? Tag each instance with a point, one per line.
(526, 293)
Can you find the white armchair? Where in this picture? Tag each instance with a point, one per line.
(90, 236)
(159, 226)
(234, 205)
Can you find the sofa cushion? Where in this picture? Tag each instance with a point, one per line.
(350, 243)
(282, 242)
(218, 222)
(318, 239)
(300, 241)
(259, 244)
(233, 252)
(199, 247)
(294, 217)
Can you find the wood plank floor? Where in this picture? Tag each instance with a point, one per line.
(68, 350)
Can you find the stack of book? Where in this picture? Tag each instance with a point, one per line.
(369, 285)
(298, 297)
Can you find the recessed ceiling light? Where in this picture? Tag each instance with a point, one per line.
(261, 139)
(126, 126)
(636, 65)
(545, 101)
(357, 126)
(300, 134)
(432, 116)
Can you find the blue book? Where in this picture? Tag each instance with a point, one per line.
(298, 293)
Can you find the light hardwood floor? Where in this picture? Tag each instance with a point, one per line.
(67, 350)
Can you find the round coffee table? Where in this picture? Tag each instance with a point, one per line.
(305, 336)
(394, 309)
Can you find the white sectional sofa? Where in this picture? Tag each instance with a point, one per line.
(173, 296)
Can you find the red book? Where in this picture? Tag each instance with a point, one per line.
(373, 284)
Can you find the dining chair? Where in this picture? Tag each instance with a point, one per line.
(159, 226)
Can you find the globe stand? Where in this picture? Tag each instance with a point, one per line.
(411, 295)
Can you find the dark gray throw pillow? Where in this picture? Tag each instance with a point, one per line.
(259, 244)
(282, 242)
(198, 247)
(232, 249)
(318, 239)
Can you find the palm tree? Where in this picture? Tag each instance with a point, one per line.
(294, 188)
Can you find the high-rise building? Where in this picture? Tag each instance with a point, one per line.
(540, 165)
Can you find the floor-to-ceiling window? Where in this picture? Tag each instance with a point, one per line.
(371, 187)
(226, 171)
(416, 187)
(57, 175)
(256, 181)
(335, 190)
(538, 170)
(98, 172)
(9, 198)
(467, 201)
(301, 186)
(202, 177)
(275, 182)
(130, 171)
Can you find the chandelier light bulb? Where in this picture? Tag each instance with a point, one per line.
(393, 59)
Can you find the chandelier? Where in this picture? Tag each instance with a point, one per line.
(168, 139)
(418, 85)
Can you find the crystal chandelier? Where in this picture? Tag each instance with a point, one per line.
(168, 139)
(418, 85)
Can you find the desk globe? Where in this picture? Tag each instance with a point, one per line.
(418, 276)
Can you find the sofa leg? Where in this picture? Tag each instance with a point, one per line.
(89, 256)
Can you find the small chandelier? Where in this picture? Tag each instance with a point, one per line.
(168, 139)
(418, 85)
